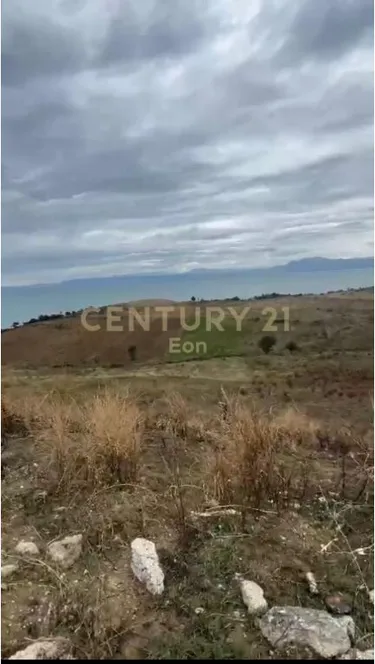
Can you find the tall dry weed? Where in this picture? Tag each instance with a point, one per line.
(90, 443)
(253, 460)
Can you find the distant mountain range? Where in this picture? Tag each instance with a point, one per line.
(309, 275)
(327, 264)
(305, 265)
(315, 264)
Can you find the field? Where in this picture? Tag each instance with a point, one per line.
(159, 444)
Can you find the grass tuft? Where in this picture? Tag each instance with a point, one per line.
(90, 444)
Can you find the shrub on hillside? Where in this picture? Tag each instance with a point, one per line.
(266, 343)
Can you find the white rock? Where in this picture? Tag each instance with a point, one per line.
(327, 635)
(313, 586)
(66, 551)
(8, 570)
(145, 565)
(359, 654)
(27, 548)
(46, 649)
(253, 597)
(212, 513)
(371, 595)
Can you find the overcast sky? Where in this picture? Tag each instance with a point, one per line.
(143, 136)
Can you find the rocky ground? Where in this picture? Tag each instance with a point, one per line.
(261, 547)
(212, 509)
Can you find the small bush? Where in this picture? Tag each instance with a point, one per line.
(292, 346)
(266, 343)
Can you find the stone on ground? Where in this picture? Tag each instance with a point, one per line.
(359, 654)
(66, 551)
(8, 570)
(253, 597)
(338, 604)
(45, 649)
(145, 565)
(326, 635)
(27, 548)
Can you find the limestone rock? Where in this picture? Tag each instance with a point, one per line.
(8, 570)
(328, 636)
(253, 597)
(66, 551)
(25, 548)
(313, 586)
(145, 565)
(359, 654)
(45, 649)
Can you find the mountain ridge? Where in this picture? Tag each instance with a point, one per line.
(314, 264)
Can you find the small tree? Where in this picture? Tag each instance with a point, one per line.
(15, 324)
(266, 343)
(193, 298)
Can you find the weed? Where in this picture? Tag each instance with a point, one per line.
(98, 442)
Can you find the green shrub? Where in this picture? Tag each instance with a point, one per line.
(266, 343)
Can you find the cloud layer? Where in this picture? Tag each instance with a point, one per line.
(145, 136)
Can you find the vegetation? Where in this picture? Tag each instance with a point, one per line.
(103, 465)
(264, 296)
(163, 450)
(266, 343)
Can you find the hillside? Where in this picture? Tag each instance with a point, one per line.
(67, 343)
(236, 464)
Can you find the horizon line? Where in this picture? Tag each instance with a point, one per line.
(187, 272)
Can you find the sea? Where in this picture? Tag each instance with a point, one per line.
(20, 303)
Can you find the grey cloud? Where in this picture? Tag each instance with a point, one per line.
(36, 50)
(169, 29)
(172, 134)
(325, 30)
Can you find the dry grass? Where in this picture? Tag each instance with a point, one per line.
(178, 419)
(250, 457)
(254, 461)
(84, 454)
(115, 467)
(178, 415)
(11, 422)
(87, 444)
(296, 425)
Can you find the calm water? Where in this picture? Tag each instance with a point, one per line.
(22, 303)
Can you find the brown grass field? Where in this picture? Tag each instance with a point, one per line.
(97, 444)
